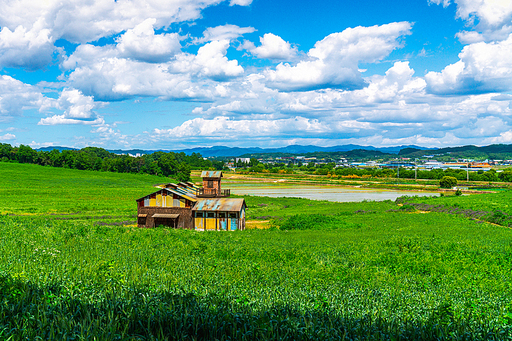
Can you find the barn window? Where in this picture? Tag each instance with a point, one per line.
(233, 215)
(222, 214)
(199, 214)
(141, 220)
(210, 215)
(210, 183)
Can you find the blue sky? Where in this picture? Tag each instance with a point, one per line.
(156, 74)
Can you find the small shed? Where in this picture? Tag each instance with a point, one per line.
(211, 184)
(219, 214)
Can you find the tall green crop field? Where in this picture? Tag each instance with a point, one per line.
(355, 271)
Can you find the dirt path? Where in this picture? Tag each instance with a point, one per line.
(257, 224)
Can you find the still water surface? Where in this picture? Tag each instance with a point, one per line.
(330, 193)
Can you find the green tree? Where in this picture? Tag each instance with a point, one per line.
(5, 151)
(490, 175)
(183, 172)
(506, 175)
(54, 158)
(168, 164)
(25, 154)
(67, 158)
(83, 161)
(253, 162)
(218, 165)
(448, 182)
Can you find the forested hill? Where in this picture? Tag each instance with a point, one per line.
(493, 152)
(223, 151)
(356, 154)
(175, 165)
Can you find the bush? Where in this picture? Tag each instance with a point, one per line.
(305, 222)
(312, 222)
(448, 182)
(407, 208)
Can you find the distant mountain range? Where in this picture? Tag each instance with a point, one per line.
(495, 151)
(293, 149)
(49, 149)
(223, 151)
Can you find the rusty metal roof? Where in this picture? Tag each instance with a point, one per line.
(219, 204)
(184, 191)
(167, 185)
(211, 174)
(185, 195)
(191, 184)
(187, 189)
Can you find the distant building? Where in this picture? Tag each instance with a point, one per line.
(432, 165)
(243, 159)
(186, 206)
(398, 165)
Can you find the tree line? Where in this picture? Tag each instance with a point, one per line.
(329, 169)
(175, 165)
(434, 174)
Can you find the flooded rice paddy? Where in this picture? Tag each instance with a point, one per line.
(330, 193)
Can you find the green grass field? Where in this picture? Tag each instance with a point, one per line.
(353, 271)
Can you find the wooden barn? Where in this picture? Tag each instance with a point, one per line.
(185, 205)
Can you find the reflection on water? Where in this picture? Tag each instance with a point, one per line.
(330, 193)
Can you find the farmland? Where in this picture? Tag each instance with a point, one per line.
(72, 265)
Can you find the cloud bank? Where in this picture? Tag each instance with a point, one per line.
(248, 87)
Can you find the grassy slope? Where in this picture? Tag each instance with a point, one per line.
(37, 190)
(381, 275)
(490, 202)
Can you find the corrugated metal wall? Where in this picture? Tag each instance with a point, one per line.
(218, 221)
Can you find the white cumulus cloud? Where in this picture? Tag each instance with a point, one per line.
(104, 73)
(143, 44)
(29, 48)
(30, 28)
(494, 18)
(78, 109)
(16, 96)
(240, 2)
(212, 61)
(7, 137)
(483, 67)
(85, 21)
(272, 47)
(333, 61)
(223, 32)
(225, 127)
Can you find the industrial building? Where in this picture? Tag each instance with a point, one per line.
(187, 206)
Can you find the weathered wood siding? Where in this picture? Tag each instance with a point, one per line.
(185, 220)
